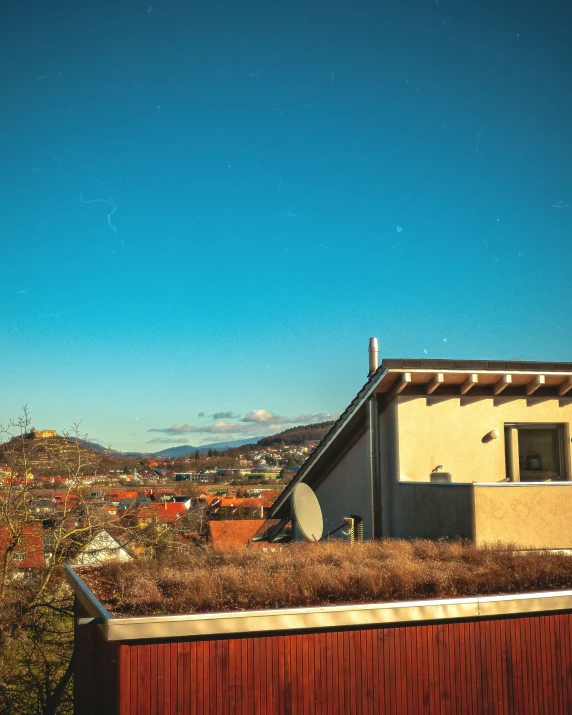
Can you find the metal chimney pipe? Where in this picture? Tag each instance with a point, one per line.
(373, 356)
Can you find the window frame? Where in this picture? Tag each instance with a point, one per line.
(512, 447)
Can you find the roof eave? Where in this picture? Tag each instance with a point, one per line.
(338, 427)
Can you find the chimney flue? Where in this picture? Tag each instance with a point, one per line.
(373, 356)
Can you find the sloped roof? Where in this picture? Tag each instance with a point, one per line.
(424, 376)
(278, 509)
(229, 535)
(168, 513)
(238, 502)
(31, 544)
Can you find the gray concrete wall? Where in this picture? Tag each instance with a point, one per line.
(433, 511)
(347, 489)
(388, 465)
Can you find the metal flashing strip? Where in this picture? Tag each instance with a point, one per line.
(94, 607)
(523, 603)
(478, 372)
(505, 485)
(559, 483)
(320, 617)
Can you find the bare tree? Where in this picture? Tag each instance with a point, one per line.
(36, 609)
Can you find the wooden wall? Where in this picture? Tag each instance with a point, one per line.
(95, 669)
(503, 666)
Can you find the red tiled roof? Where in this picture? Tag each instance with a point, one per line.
(117, 496)
(31, 545)
(167, 513)
(242, 502)
(233, 535)
(175, 507)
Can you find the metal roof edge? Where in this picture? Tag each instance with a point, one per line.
(528, 366)
(87, 598)
(320, 617)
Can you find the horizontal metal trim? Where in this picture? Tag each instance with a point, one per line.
(523, 603)
(523, 484)
(487, 484)
(93, 606)
(320, 617)
(478, 371)
(403, 483)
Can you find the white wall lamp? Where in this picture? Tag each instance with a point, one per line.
(493, 434)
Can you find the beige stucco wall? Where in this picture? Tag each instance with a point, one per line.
(433, 511)
(347, 490)
(529, 516)
(449, 430)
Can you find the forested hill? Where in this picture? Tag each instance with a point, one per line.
(297, 435)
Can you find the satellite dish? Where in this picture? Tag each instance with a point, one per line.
(307, 512)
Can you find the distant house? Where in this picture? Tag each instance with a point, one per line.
(102, 548)
(450, 448)
(186, 477)
(165, 513)
(233, 535)
(42, 434)
(25, 546)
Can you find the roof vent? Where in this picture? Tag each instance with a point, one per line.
(373, 356)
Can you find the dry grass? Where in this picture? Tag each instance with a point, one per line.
(330, 572)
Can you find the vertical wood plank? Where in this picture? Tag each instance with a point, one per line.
(124, 685)
(520, 665)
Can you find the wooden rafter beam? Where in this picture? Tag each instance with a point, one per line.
(535, 383)
(470, 380)
(434, 383)
(503, 382)
(399, 385)
(565, 386)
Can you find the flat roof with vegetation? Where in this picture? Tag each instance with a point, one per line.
(329, 573)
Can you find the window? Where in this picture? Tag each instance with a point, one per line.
(18, 556)
(535, 452)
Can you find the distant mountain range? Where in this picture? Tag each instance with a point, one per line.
(170, 451)
(292, 436)
(188, 449)
(55, 447)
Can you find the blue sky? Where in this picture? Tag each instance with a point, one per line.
(210, 207)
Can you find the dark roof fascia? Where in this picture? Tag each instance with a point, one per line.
(324, 447)
(431, 364)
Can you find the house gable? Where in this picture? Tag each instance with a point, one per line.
(412, 416)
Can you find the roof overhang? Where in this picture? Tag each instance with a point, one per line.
(463, 378)
(448, 377)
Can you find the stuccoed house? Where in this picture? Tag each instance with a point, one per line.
(427, 449)
(447, 448)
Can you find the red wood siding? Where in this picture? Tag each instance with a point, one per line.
(95, 669)
(503, 666)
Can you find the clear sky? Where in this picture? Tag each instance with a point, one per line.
(207, 208)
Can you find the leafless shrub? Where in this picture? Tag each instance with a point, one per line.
(331, 572)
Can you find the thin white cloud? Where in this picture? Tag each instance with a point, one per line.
(164, 440)
(257, 422)
(260, 416)
(265, 417)
(220, 427)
